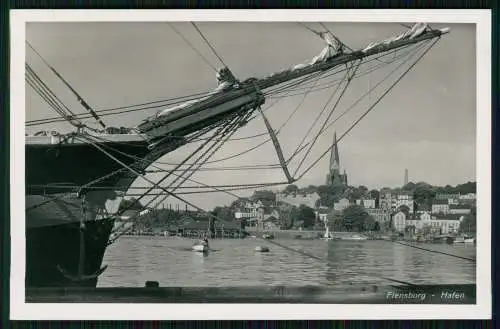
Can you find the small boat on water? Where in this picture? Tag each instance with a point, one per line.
(327, 236)
(469, 239)
(201, 246)
(354, 237)
(464, 239)
(261, 249)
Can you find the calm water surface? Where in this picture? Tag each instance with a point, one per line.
(133, 260)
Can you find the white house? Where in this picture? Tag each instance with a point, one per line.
(440, 224)
(366, 203)
(322, 213)
(468, 196)
(406, 200)
(440, 207)
(379, 215)
(299, 199)
(460, 209)
(342, 204)
(399, 221)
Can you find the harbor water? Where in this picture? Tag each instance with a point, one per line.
(133, 260)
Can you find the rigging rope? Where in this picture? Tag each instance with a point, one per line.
(192, 47)
(100, 139)
(170, 193)
(79, 98)
(163, 178)
(213, 148)
(435, 251)
(104, 112)
(49, 97)
(348, 78)
(369, 110)
(352, 106)
(177, 100)
(260, 144)
(208, 43)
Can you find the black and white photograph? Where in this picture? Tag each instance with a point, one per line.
(325, 165)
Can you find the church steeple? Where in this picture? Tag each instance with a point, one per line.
(334, 155)
(334, 176)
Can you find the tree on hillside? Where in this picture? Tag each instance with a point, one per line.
(405, 209)
(311, 189)
(355, 193)
(329, 194)
(424, 194)
(290, 189)
(363, 190)
(290, 216)
(130, 204)
(223, 213)
(374, 194)
(469, 187)
(354, 218)
(267, 197)
(409, 187)
(307, 215)
(468, 224)
(237, 203)
(369, 223)
(334, 219)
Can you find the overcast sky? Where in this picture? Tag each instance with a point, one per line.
(426, 123)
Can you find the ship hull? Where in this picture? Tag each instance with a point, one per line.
(55, 213)
(53, 252)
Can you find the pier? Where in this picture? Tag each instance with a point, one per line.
(423, 294)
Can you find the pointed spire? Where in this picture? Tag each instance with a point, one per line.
(334, 156)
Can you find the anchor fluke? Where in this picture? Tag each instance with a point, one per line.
(79, 277)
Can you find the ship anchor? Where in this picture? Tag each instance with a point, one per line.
(80, 276)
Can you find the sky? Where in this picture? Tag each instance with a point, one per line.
(425, 124)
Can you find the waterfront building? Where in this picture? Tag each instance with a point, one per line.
(468, 196)
(425, 216)
(439, 224)
(298, 199)
(366, 203)
(460, 209)
(270, 223)
(334, 177)
(440, 206)
(379, 215)
(447, 196)
(387, 202)
(405, 200)
(399, 221)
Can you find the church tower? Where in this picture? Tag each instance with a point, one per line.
(334, 177)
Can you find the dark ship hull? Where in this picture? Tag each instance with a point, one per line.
(65, 237)
(52, 252)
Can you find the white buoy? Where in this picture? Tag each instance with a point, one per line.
(261, 249)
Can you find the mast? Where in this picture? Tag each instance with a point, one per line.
(289, 74)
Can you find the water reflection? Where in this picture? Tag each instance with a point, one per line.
(133, 260)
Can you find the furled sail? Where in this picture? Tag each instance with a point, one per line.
(230, 95)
